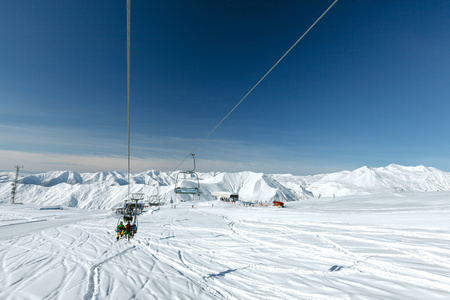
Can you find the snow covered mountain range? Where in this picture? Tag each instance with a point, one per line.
(106, 190)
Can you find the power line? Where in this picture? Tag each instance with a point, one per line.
(265, 75)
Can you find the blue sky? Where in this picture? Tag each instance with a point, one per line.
(369, 85)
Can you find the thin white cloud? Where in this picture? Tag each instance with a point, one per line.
(50, 149)
(43, 162)
(43, 138)
(80, 163)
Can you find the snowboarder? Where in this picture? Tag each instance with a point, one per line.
(120, 230)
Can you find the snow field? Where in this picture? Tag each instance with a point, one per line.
(392, 246)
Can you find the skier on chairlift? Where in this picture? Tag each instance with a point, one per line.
(120, 230)
(134, 228)
(128, 230)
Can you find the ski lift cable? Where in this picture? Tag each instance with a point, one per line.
(128, 86)
(265, 75)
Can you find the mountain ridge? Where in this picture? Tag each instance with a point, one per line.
(105, 190)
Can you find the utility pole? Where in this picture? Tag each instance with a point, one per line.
(14, 185)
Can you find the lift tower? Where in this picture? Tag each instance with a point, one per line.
(14, 185)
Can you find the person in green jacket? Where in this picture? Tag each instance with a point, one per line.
(120, 230)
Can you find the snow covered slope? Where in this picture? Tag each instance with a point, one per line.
(383, 237)
(384, 246)
(106, 190)
(365, 180)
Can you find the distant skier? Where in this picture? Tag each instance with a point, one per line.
(120, 230)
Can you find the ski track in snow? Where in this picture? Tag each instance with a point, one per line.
(94, 281)
(230, 252)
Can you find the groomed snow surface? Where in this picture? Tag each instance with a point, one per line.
(391, 245)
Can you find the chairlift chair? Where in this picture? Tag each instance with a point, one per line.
(187, 182)
(131, 208)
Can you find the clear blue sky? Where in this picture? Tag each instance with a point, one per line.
(369, 85)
